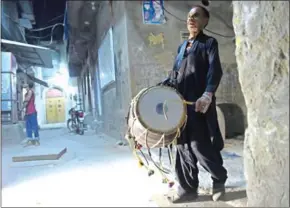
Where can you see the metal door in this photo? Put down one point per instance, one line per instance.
(55, 110)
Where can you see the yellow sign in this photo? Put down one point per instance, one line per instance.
(156, 39)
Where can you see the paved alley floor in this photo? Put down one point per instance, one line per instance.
(94, 172)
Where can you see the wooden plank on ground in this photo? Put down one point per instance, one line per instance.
(35, 157)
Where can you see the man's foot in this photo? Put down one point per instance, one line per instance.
(28, 143)
(36, 142)
(218, 192)
(183, 198)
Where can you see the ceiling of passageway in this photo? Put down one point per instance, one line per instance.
(82, 22)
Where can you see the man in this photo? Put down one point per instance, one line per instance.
(197, 76)
(30, 117)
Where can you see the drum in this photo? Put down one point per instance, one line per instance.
(157, 116)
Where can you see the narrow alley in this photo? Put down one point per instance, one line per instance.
(198, 88)
(95, 171)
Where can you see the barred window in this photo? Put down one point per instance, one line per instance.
(184, 35)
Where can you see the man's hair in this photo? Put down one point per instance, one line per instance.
(30, 85)
(205, 11)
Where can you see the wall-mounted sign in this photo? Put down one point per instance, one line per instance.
(153, 12)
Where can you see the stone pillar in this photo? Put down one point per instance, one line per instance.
(262, 52)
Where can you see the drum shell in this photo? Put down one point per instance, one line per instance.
(138, 131)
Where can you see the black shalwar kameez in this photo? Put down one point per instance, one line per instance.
(200, 71)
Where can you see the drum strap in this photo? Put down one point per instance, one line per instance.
(180, 56)
(178, 60)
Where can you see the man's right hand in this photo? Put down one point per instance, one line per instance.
(203, 103)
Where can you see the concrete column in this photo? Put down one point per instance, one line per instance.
(262, 52)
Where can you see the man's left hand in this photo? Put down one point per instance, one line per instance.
(203, 103)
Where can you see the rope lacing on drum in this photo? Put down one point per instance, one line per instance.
(160, 167)
(141, 163)
(169, 146)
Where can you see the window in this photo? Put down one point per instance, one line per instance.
(106, 60)
(184, 35)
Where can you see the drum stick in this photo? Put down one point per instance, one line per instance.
(189, 103)
(184, 101)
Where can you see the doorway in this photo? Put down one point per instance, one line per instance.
(55, 106)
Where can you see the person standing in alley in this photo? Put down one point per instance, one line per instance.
(30, 117)
(196, 75)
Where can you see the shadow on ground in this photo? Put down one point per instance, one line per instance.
(231, 196)
(232, 199)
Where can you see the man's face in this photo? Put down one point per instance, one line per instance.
(196, 20)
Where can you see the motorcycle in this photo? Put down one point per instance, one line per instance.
(76, 121)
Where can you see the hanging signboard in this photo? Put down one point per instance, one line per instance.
(153, 12)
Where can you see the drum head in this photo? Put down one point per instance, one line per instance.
(161, 109)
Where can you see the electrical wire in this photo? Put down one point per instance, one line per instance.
(38, 29)
(57, 17)
(182, 20)
(11, 18)
(45, 28)
(51, 33)
(217, 16)
(17, 23)
(37, 37)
